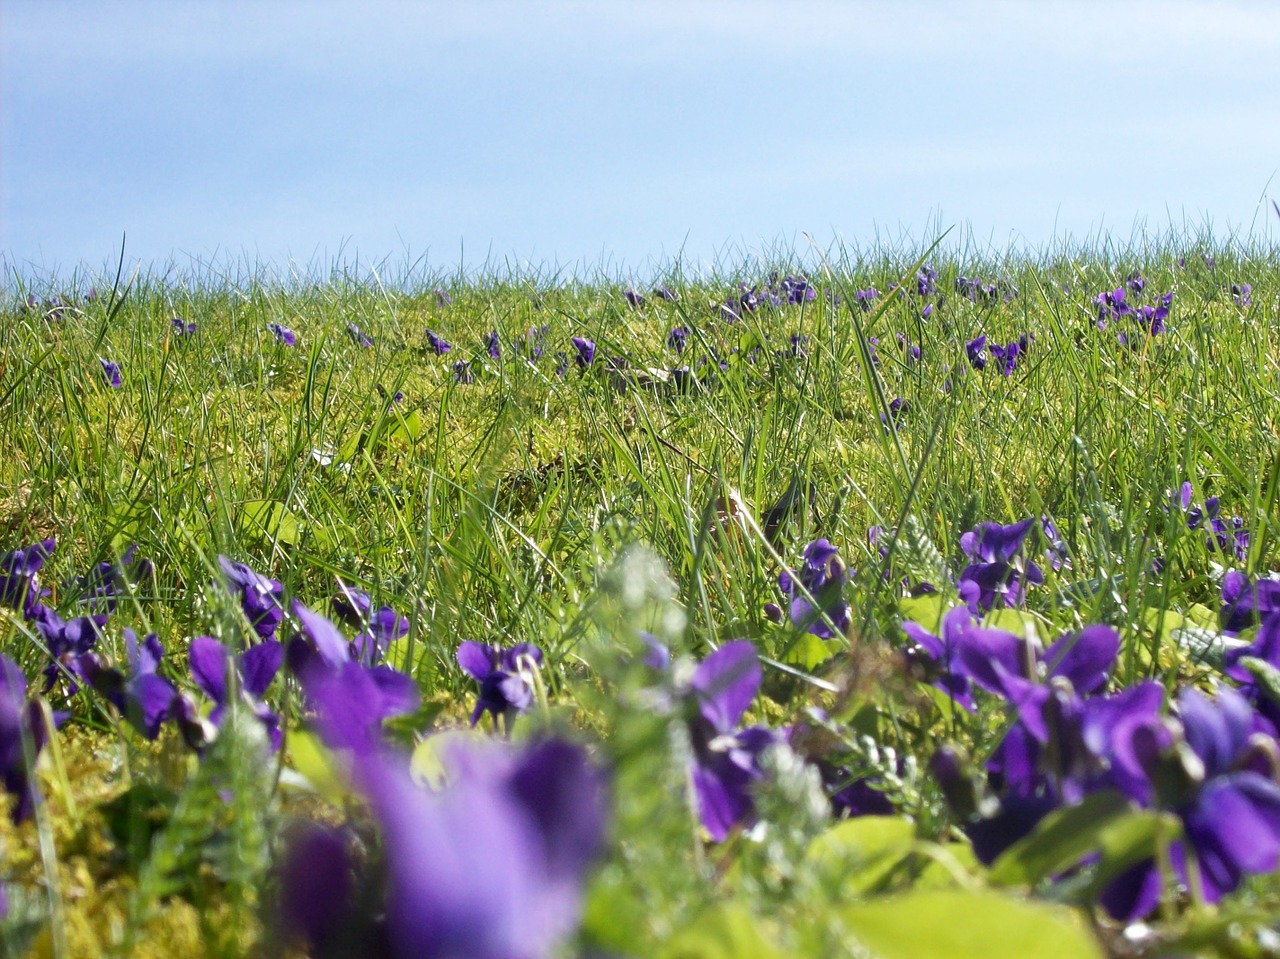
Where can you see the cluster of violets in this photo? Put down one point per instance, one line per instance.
(491, 865)
(1114, 307)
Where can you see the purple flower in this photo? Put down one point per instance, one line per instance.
(102, 586)
(1111, 306)
(504, 677)
(927, 281)
(443, 299)
(1242, 294)
(181, 328)
(562, 363)
(70, 645)
(394, 399)
(585, 351)
(144, 698)
(1245, 602)
(437, 344)
(493, 345)
(678, 338)
(866, 298)
(998, 570)
(938, 657)
(283, 334)
(1212, 769)
(821, 576)
(909, 351)
(634, 299)
(1007, 356)
(976, 351)
(19, 721)
(260, 596)
(110, 373)
(256, 667)
(358, 336)
(379, 628)
(535, 341)
(491, 868)
(19, 582)
(354, 694)
(664, 292)
(1135, 283)
(725, 761)
(463, 373)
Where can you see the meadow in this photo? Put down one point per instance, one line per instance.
(896, 604)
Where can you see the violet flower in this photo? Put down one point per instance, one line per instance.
(678, 338)
(438, 344)
(358, 336)
(110, 373)
(493, 345)
(1242, 294)
(725, 763)
(68, 643)
(256, 668)
(976, 351)
(585, 351)
(144, 698)
(1245, 603)
(19, 720)
(938, 657)
(997, 571)
(379, 628)
(282, 334)
(181, 328)
(1212, 769)
(664, 292)
(19, 579)
(493, 867)
(634, 299)
(463, 373)
(260, 596)
(503, 674)
(102, 586)
(822, 576)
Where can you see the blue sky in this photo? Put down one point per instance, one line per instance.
(623, 135)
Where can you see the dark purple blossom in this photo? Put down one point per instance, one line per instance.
(998, 570)
(664, 292)
(927, 281)
(378, 628)
(70, 646)
(866, 298)
(584, 351)
(146, 699)
(678, 338)
(1111, 306)
(358, 336)
(102, 586)
(20, 722)
(725, 763)
(1242, 294)
(255, 668)
(283, 334)
(110, 373)
(463, 373)
(634, 299)
(182, 328)
(1007, 356)
(492, 345)
(19, 579)
(505, 678)
(821, 577)
(976, 351)
(938, 657)
(443, 298)
(535, 342)
(1245, 602)
(437, 344)
(261, 598)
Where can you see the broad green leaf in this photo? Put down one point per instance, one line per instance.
(722, 932)
(809, 651)
(926, 610)
(409, 427)
(1014, 621)
(310, 759)
(1202, 615)
(271, 519)
(859, 854)
(955, 924)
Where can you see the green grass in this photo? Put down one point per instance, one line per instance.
(494, 511)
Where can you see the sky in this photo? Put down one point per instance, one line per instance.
(624, 136)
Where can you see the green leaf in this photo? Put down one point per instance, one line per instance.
(722, 932)
(409, 427)
(926, 610)
(1268, 676)
(858, 855)
(1013, 621)
(271, 519)
(810, 651)
(954, 924)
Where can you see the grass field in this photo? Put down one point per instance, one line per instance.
(894, 605)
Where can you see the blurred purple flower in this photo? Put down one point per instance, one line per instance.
(664, 292)
(1242, 294)
(725, 762)
(976, 351)
(283, 334)
(181, 328)
(634, 299)
(358, 336)
(21, 722)
(110, 373)
(678, 338)
(463, 373)
(69, 644)
(493, 345)
(585, 351)
(438, 344)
